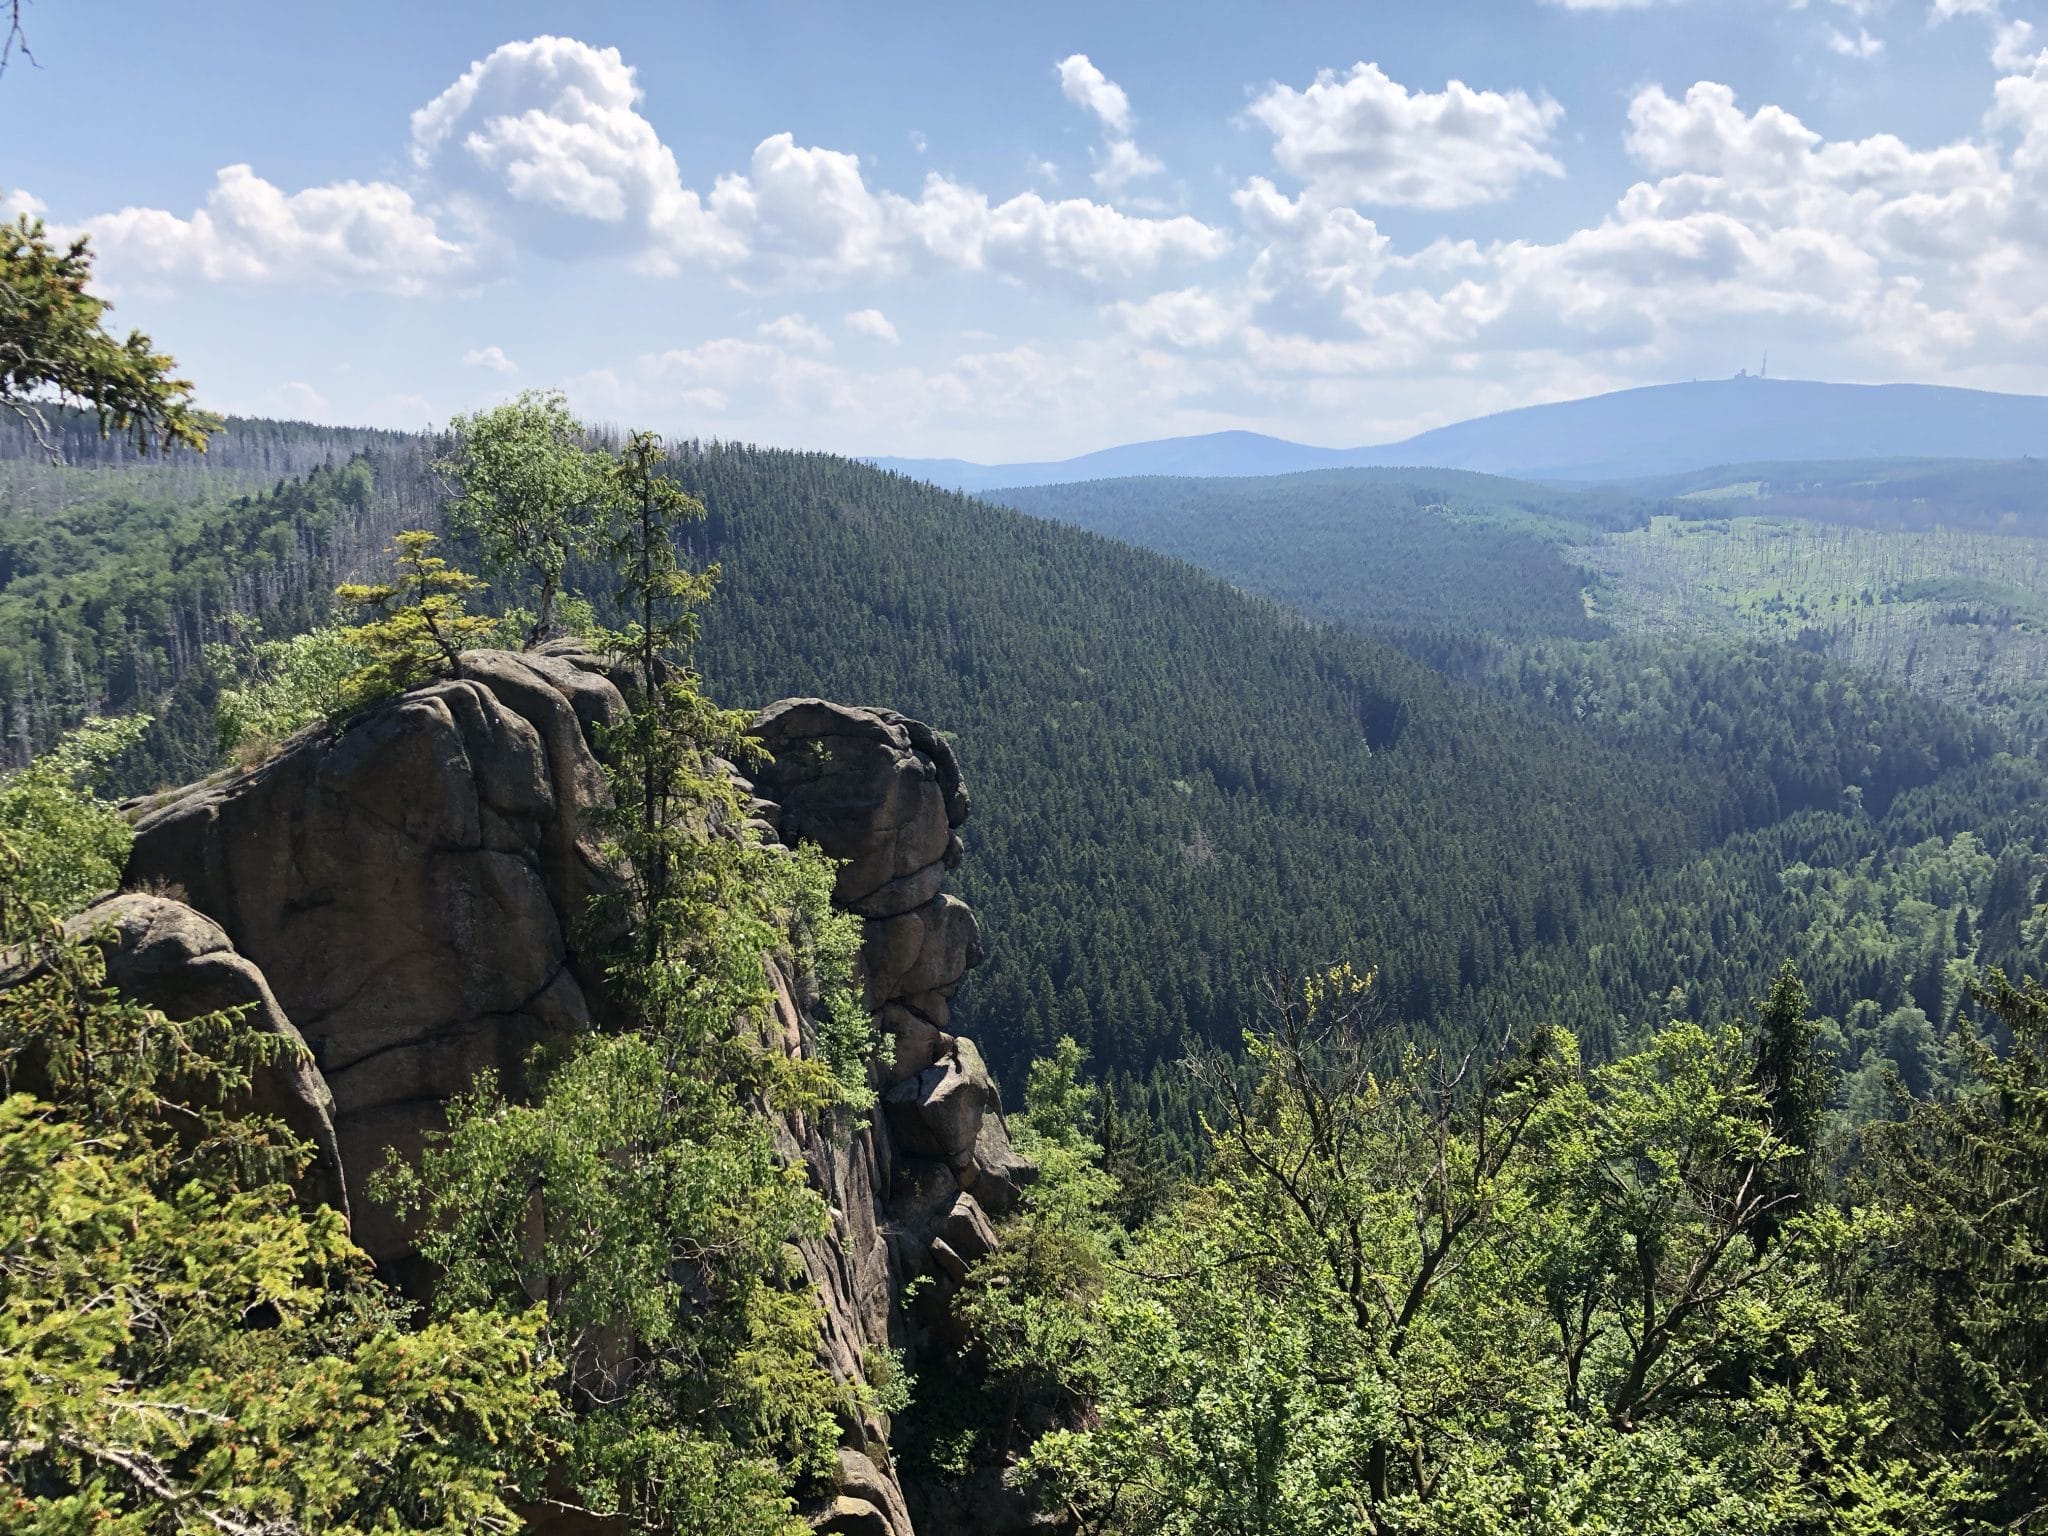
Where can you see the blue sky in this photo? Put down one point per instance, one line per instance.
(1022, 232)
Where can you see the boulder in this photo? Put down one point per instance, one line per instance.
(997, 1175)
(915, 1043)
(938, 1113)
(947, 1260)
(870, 788)
(408, 887)
(860, 1478)
(967, 1229)
(951, 947)
(163, 953)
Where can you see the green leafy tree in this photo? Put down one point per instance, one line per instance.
(1026, 1305)
(638, 1194)
(1796, 1087)
(414, 626)
(1419, 1295)
(528, 492)
(72, 844)
(282, 686)
(54, 349)
(182, 1346)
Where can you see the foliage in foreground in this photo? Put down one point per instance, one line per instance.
(69, 843)
(53, 348)
(621, 1316)
(182, 1347)
(1420, 1295)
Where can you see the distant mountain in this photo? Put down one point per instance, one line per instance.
(1663, 429)
(1213, 453)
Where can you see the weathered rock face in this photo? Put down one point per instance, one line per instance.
(409, 890)
(163, 953)
(885, 795)
(409, 897)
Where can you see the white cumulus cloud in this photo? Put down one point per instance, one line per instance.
(1119, 161)
(353, 234)
(1868, 257)
(1861, 46)
(1364, 138)
(871, 323)
(794, 331)
(1091, 90)
(541, 146)
(493, 358)
(548, 137)
(1073, 239)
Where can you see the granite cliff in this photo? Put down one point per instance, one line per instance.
(405, 896)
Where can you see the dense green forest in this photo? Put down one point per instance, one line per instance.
(1927, 575)
(1399, 548)
(1182, 789)
(1209, 792)
(1418, 1293)
(1417, 1197)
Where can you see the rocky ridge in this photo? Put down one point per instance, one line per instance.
(405, 897)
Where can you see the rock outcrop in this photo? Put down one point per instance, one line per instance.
(410, 890)
(163, 953)
(409, 897)
(884, 795)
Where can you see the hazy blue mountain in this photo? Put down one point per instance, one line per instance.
(1213, 453)
(1664, 429)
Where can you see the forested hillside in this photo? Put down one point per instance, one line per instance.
(1514, 861)
(1927, 575)
(114, 580)
(1956, 614)
(1980, 495)
(1402, 548)
(1183, 789)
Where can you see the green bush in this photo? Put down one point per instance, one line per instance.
(72, 843)
(288, 685)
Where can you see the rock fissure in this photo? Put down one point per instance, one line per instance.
(447, 1030)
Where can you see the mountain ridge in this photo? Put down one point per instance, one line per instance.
(1656, 429)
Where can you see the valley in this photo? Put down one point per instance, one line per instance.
(834, 772)
(1487, 757)
(1039, 771)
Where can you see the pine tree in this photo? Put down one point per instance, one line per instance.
(1957, 1312)
(1795, 1087)
(52, 345)
(415, 626)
